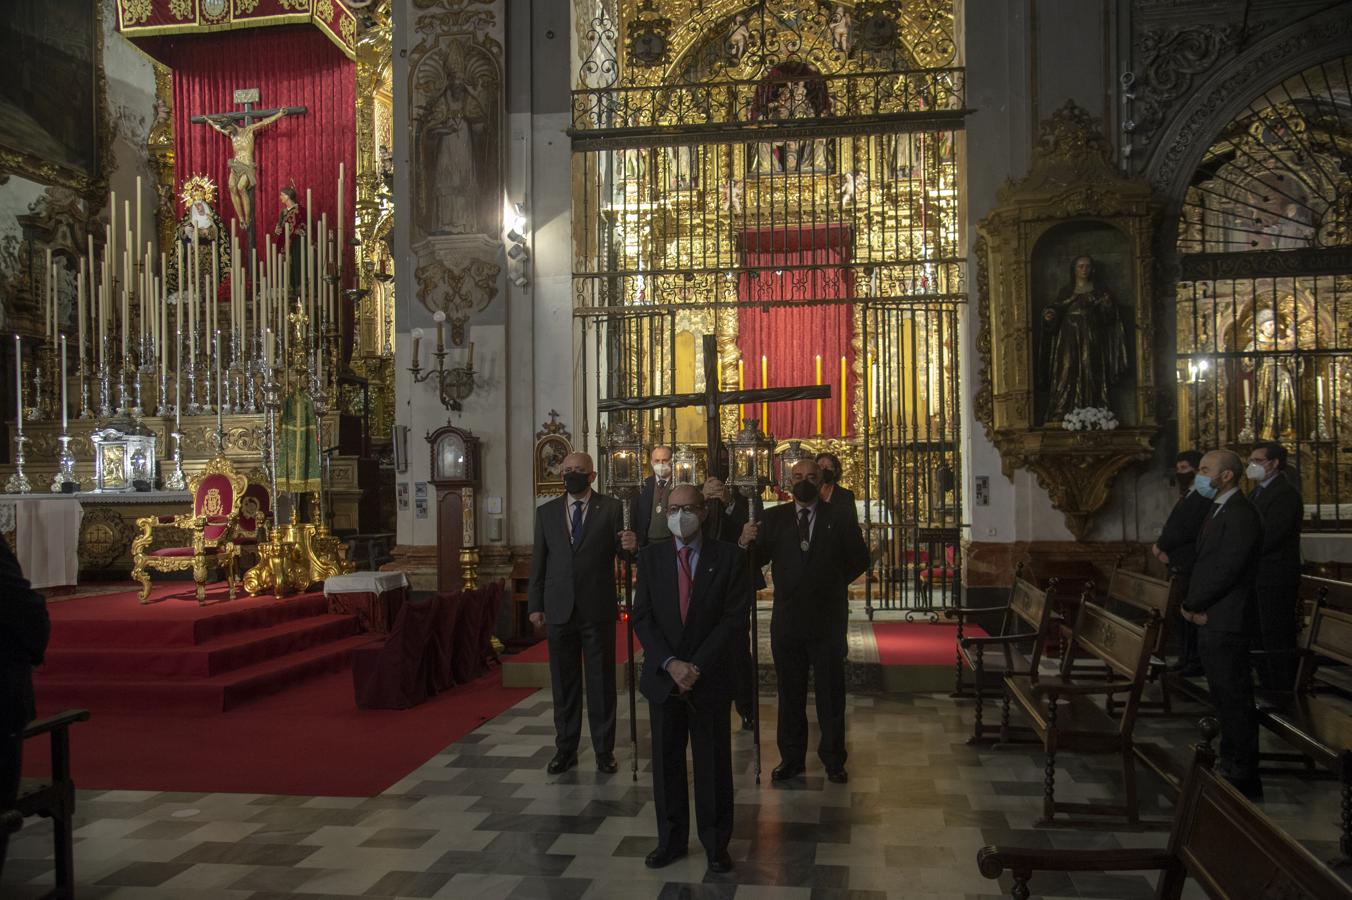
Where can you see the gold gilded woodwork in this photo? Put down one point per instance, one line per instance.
(1072, 183)
(296, 556)
(220, 550)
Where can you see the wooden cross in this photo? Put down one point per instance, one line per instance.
(711, 398)
(246, 116)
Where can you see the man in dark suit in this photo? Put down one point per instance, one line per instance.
(650, 519)
(1279, 503)
(24, 629)
(815, 550)
(689, 611)
(832, 490)
(1221, 604)
(572, 594)
(1177, 549)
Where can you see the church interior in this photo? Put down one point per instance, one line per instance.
(317, 317)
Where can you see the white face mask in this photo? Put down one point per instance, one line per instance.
(1256, 472)
(662, 470)
(683, 524)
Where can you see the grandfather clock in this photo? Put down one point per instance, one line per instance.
(455, 475)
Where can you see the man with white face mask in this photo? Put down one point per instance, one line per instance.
(1279, 502)
(690, 608)
(651, 510)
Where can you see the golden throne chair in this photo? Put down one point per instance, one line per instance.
(213, 524)
(255, 512)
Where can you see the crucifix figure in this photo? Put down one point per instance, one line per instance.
(240, 127)
(711, 398)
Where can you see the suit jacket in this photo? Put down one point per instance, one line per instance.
(24, 629)
(564, 576)
(717, 618)
(725, 521)
(1179, 537)
(843, 497)
(812, 588)
(1282, 509)
(1222, 583)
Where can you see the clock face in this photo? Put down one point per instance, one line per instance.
(451, 465)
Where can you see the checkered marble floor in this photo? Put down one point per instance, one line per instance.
(483, 819)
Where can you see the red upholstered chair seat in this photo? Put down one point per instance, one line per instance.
(171, 551)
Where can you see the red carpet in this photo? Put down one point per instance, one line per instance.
(918, 643)
(310, 739)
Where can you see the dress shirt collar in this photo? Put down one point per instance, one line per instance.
(585, 498)
(695, 543)
(810, 507)
(1222, 498)
(1271, 478)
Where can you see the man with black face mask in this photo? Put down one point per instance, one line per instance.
(690, 609)
(1177, 549)
(815, 550)
(572, 594)
(832, 490)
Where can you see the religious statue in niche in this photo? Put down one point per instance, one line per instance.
(839, 25)
(243, 169)
(291, 229)
(455, 143)
(784, 98)
(681, 171)
(738, 38)
(1086, 349)
(1271, 412)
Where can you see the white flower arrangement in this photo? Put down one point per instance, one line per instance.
(1089, 418)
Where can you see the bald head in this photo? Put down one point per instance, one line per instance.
(686, 495)
(577, 461)
(806, 470)
(1223, 467)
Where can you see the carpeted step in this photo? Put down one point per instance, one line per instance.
(215, 656)
(121, 621)
(197, 696)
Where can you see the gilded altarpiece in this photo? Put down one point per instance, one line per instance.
(1071, 209)
(784, 176)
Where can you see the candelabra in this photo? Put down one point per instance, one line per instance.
(18, 483)
(177, 480)
(105, 388)
(454, 384)
(320, 397)
(86, 386)
(34, 412)
(122, 388)
(164, 409)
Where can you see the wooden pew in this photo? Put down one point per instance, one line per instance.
(1027, 622)
(1065, 716)
(1135, 596)
(1316, 717)
(54, 798)
(1219, 839)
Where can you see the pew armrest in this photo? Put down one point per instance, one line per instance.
(52, 723)
(994, 861)
(1061, 688)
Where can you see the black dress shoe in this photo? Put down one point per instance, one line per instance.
(605, 762)
(663, 856)
(837, 776)
(720, 862)
(561, 763)
(784, 771)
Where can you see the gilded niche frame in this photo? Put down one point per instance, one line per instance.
(1072, 189)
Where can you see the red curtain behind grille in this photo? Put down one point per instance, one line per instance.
(797, 265)
(290, 66)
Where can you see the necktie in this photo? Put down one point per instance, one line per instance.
(683, 580)
(1210, 516)
(804, 529)
(1256, 491)
(577, 520)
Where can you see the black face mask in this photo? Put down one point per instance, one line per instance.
(576, 482)
(829, 476)
(804, 491)
(1184, 479)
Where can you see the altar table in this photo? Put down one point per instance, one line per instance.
(373, 597)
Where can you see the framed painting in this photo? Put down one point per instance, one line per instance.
(550, 450)
(52, 121)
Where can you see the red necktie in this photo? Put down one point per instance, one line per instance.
(683, 580)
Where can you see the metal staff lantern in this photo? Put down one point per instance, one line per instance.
(624, 471)
(751, 452)
(683, 465)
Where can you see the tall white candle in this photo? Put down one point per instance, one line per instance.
(47, 305)
(18, 380)
(64, 421)
(178, 371)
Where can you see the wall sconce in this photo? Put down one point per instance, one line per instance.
(517, 252)
(454, 384)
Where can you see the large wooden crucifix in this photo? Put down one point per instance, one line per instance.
(240, 127)
(711, 398)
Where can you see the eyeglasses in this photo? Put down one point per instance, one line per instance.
(685, 507)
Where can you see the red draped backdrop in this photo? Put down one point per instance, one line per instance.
(791, 335)
(290, 66)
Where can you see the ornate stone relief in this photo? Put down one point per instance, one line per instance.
(1167, 64)
(1071, 204)
(455, 83)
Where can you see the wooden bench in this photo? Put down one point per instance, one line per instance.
(1219, 839)
(1136, 596)
(54, 798)
(1065, 716)
(1025, 623)
(1316, 717)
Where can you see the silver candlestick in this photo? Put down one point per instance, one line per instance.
(176, 480)
(122, 393)
(34, 412)
(272, 401)
(319, 396)
(18, 483)
(86, 387)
